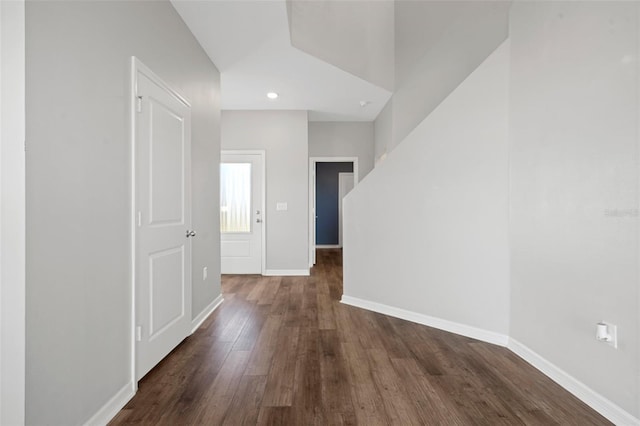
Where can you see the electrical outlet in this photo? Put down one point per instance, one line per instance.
(607, 333)
(205, 273)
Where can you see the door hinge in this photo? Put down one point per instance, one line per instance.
(139, 219)
(139, 103)
(138, 333)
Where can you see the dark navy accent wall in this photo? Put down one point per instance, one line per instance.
(327, 201)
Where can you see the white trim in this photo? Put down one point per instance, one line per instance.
(202, 316)
(12, 212)
(353, 160)
(312, 195)
(138, 66)
(450, 326)
(343, 177)
(286, 273)
(263, 158)
(328, 246)
(132, 212)
(581, 391)
(638, 200)
(113, 406)
(312, 213)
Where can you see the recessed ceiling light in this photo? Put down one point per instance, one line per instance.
(272, 95)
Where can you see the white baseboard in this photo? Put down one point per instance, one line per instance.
(453, 327)
(197, 321)
(286, 273)
(602, 405)
(113, 406)
(328, 246)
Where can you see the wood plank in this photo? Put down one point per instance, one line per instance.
(265, 347)
(248, 337)
(280, 382)
(217, 399)
(293, 316)
(275, 416)
(271, 289)
(326, 318)
(281, 302)
(309, 309)
(307, 403)
(245, 406)
(396, 402)
(432, 408)
(367, 401)
(228, 328)
(197, 379)
(334, 373)
(477, 404)
(256, 292)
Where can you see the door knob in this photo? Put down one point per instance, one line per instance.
(258, 220)
(191, 233)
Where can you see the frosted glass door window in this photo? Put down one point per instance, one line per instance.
(235, 197)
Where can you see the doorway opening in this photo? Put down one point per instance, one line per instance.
(333, 181)
(330, 179)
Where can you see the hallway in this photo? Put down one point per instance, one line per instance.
(284, 351)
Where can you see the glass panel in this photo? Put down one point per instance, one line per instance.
(235, 197)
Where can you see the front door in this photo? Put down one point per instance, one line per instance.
(241, 212)
(163, 214)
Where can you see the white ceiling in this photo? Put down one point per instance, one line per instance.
(249, 43)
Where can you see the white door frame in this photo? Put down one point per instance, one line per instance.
(312, 196)
(12, 212)
(263, 188)
(137, 66)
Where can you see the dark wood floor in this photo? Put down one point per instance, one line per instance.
(284, 351)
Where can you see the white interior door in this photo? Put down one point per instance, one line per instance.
(241, 212)
(163, 210)
(345, 184)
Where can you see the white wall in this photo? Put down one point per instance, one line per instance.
(437, 45)
(343, 139)
(284, 137)
(78, 213)
(574, 189)
(383, 132)
(354, 36)
(427, 230)
(12, 213)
